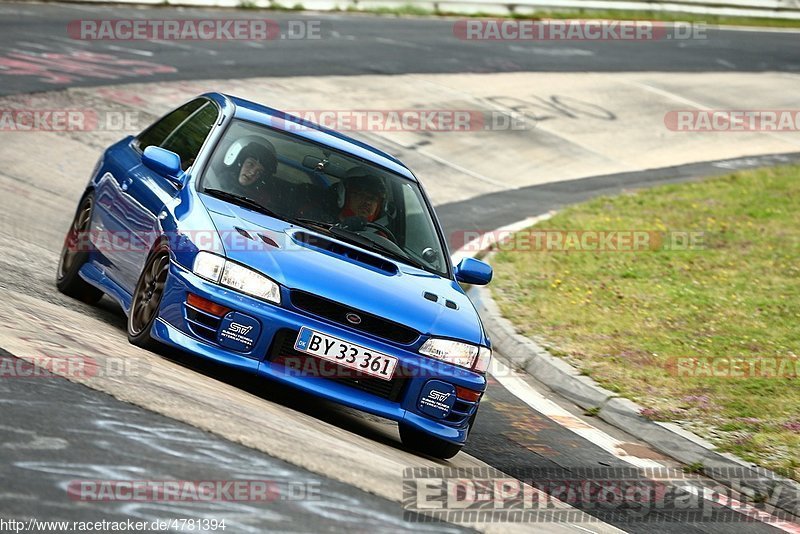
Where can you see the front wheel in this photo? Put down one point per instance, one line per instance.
(146, 300)
(75, 253)
(427, 444)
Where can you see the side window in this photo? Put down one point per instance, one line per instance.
(188, 138)
(158, 132)
(418, 229)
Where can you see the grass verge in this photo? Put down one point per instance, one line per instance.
(411, 9)
(690, 333)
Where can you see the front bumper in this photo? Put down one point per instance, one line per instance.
(178, 325)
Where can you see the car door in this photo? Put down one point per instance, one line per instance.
(143, 192)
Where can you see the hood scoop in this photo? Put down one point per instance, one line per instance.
(433, 297)
(243, 232)
(334, 248)
(269, 241)
(264, 238)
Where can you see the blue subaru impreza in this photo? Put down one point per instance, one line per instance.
(254, 238)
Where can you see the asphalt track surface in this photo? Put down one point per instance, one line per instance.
(52, 429)
(76, 433)
(362, 44)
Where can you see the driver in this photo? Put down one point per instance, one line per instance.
(254, 170)
(364, 195)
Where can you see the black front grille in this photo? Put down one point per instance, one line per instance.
(283, 351)
(336, 312)
(461, 411)
(203, 324)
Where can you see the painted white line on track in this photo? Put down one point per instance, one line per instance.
(78, 7)
(555, 52)
(70, 41)
(135, 51)
(755, 29)
(18, 12)
(446, 163)
(670, 95)
(33, 45)
(337, 35)
(171, 43)
(701, 106)
(395, 42)
(513, 381)
(469, 172)
(471, 248)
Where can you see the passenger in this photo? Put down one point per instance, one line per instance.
(254, 171)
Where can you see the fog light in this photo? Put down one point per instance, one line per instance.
(468, 394)
(206, 305)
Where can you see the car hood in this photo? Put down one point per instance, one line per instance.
(357, 278)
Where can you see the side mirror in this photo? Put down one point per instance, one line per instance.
(165, 163)
(475, 272)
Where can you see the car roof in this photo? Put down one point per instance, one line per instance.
(274, 118)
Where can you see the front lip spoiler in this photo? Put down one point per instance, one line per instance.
(326, 389)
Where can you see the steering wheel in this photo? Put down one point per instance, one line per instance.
(382, 229)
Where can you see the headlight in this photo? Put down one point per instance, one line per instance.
(208, 266)
(447, 350)
(484, 359)
(246, 280)
(235, 276)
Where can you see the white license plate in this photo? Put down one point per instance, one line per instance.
(345, 354)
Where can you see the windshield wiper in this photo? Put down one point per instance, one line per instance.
(243, 201)
(303, 221)
(359, 239)
(364, 241)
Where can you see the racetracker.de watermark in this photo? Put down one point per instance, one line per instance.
(544, 240)
(576, 30)
(260, 240)
(192, 490)
(733, 120)
(310, 367)
(404, 120)
(621, 494)
(68, 120)
(211, 240)
(70, 366)
(736, 367)
(224, 29)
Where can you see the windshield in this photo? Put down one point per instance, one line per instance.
(326, 190)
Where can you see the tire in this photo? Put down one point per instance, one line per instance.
(146, 301)
(75, 253)
(427, 444)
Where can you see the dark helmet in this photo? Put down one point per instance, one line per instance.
(361, 179)
(263, 153)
